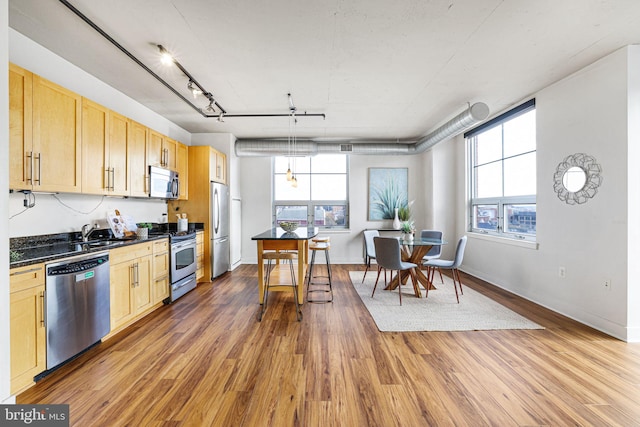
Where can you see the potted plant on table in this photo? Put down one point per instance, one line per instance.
(408, 230)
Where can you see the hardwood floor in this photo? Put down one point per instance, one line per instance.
(205, 361)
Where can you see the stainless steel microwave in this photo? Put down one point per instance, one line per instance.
(163, 183)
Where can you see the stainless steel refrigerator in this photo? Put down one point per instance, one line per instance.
(220, 252)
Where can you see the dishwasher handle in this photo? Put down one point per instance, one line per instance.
(77, 266)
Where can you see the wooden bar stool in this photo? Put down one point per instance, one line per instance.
(277, 257)
(319, 244)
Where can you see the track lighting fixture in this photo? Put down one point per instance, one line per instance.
(221, 117)
(165, 57)
(194, 90)
(209, 108)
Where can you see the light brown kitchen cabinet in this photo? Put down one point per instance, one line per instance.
(45, 134)
(182, 166)
(130, 270)
(57, 116)
(104, 151)
(199, 256)
(27, 329)
(160, 277)
(162, 150)
(170, 150)
(219, 164)
(137, 152)
(20, 128)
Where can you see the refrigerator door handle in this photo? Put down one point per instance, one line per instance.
(216, 211)
(222, 240)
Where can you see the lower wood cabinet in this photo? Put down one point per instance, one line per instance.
(130, 270)
(27, 329)
(199, 256)
(160, 277)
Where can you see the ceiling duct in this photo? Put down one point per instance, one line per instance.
(473, 115)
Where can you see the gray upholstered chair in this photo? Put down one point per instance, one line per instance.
(370, 250)
(388, 256)
(433, 253)
(451, 264)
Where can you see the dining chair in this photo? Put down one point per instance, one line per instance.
(370, 250)
(433, 253)
(388, 256)
(452, 264)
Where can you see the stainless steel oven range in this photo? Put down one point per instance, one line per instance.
(183, 263)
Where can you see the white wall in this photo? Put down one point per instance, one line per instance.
(5, 373)
(633, 177)
(61, 213)
(583, 113)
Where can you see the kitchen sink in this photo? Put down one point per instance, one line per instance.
(85, 246)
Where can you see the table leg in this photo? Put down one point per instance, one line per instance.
(260, 272)
(303, 253)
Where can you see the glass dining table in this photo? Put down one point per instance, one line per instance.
(413, 251)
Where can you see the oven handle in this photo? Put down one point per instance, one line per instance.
(185, 244)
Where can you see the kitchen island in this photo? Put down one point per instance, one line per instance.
(279, 240)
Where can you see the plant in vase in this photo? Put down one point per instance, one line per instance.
(404, 213)
(143, 230)
(407, 229)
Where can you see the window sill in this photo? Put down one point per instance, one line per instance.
(503, 240)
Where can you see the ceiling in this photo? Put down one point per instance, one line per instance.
(378, 70)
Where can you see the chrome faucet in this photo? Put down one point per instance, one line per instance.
(86, 231)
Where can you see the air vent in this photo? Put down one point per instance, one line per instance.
(346, 147)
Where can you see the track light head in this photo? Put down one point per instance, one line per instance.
(165, 57)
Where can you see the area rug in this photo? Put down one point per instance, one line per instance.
(438, 312)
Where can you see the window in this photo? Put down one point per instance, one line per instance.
(503, 174)
(321, 197)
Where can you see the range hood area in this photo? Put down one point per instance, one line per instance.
(473, 115)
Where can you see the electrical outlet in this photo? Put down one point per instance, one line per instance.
(607, 285)
(562, 272)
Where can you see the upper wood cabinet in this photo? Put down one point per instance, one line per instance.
(57, 115)
(20, 129)
(170, 149)
(119, 154)
(218, 165)
(104, 151)
(45, 134)
(61, 142)
(182, 166)
(138, 170)
(162, 151)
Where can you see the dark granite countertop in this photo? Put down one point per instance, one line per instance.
(44, 248)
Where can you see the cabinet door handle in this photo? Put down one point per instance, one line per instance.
(39, 180)
(29, 167)
(132, 275)
(137, 275)
(112, 177)
(42, 308)
(106, 178)
(31, 270)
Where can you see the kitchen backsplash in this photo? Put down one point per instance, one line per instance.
(63, 213)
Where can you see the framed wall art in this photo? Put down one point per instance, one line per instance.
(388, 190)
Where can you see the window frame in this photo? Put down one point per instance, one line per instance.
(311, 204)
(500, 202)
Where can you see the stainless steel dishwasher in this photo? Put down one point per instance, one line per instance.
(77, 305)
